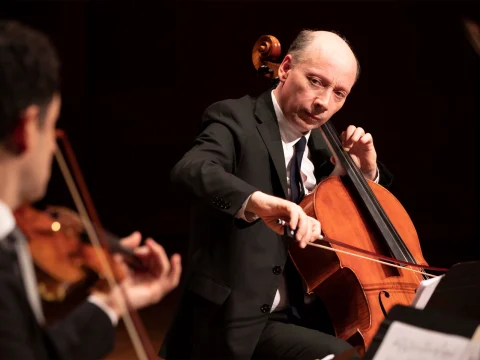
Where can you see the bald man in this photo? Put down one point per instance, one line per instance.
(252, 163)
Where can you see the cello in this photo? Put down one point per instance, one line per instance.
(383, 262)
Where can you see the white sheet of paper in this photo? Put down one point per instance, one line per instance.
(425, 291)
(407, 342)
(473, 350)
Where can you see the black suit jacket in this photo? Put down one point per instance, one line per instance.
(232, 275)
(87, 333)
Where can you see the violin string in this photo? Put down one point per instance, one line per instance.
(95, 241)
(371, 259)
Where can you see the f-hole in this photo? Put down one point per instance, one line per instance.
(387, 295)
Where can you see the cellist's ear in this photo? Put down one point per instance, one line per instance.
(285, 67)
(25, 132)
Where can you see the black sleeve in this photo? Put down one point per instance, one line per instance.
(386, 178)
(15, 327)
(207, 169)
(87, 333)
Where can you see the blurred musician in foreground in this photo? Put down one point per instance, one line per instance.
(29, 107)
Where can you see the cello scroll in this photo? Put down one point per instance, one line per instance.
(266, 50)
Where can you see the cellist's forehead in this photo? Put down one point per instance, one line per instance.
(330, 57)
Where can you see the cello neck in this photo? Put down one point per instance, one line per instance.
(364, 195)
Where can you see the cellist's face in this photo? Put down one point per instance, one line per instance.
(40, 146)
(315, 85)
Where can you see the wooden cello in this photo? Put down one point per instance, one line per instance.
(365, 218)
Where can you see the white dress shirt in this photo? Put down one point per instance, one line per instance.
(7, 225)
(290, 135)
(7, 221)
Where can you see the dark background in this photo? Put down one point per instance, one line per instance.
(137, 76)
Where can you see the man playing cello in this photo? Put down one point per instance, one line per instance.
(251, 164)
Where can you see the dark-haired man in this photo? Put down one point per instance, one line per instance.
(29, 107)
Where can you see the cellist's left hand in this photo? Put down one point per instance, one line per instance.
(360, 146)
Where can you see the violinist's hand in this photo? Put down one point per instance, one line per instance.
(144, 288)
(360, 146)
(270, 209)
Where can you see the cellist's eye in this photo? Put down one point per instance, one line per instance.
(315, 81)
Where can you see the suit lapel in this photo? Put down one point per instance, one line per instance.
(268, 128)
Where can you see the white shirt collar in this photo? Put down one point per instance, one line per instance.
(290, 135)
(7, 221)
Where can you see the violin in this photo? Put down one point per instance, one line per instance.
(64, 258)
(368, 258)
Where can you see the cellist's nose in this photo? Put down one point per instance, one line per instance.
(321, 101)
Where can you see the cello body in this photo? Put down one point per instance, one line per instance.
(357, 293)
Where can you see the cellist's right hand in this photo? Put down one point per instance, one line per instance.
(270, 209)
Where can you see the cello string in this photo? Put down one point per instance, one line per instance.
(134, 336)
(333, 140)
(329, 131)
(371, 259)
